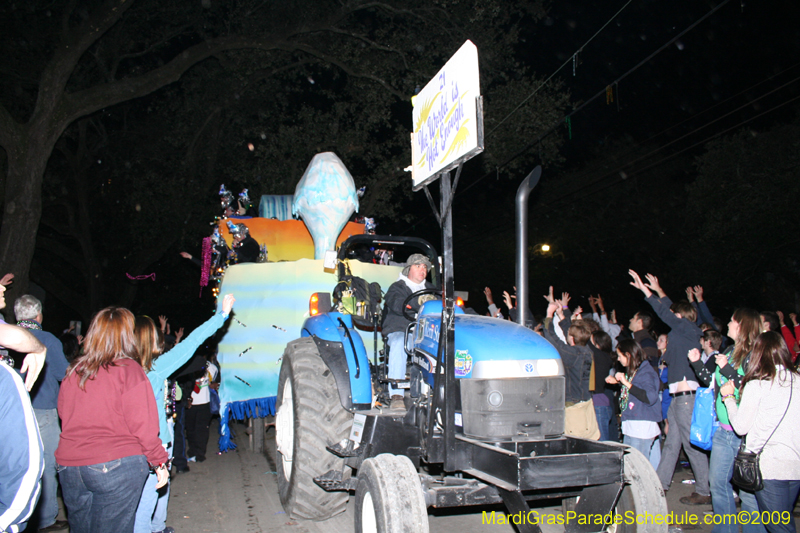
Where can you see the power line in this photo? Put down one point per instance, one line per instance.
(656, 150)
(571, 58)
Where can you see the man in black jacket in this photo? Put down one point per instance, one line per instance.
(244, 245)
(411, 280)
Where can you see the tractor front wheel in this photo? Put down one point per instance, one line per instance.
(309, 417)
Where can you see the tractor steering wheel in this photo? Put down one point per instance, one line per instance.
(406, 311)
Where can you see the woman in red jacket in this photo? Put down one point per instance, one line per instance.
(109, 436)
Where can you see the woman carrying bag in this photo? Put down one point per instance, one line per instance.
(744, 328)
(767, 419)
(638, 400)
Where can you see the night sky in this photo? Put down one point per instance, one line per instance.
(739, 67)
(623, 193)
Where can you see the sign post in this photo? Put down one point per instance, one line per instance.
(448, 130)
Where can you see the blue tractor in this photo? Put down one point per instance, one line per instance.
(483, 424)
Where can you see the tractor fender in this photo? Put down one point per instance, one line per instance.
(343, 352)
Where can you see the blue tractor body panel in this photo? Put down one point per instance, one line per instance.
(486, 347)
(328, 327)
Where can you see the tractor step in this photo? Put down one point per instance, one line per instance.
(345, 448)
(332, 481)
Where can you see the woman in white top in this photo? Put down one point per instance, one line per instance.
(767, 415)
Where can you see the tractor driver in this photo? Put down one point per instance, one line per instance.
(411, 280)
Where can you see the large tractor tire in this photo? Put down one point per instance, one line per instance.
(642, 494)
(309, 417)
(389, 496)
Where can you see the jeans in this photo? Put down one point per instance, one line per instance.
(720, 469)
(102, 498)
(779, 495)
(47, 508)
(680, 421)
(147, 504)
(603, 414)
(655, 453)
(643, 445)
(397, 359)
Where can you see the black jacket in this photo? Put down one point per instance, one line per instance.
(577, 363)
(247, 251)
(393, 319)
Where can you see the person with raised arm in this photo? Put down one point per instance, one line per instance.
(683, 337)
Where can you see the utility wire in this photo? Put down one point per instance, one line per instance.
(552, 207)
(601, 92)
(567, 62)
(662, 147)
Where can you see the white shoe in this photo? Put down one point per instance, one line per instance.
(191, 460)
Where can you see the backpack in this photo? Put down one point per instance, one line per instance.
(356, 297)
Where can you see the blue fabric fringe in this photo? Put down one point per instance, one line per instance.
(255, 408)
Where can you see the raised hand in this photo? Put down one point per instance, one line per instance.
(721, 359)
(694, 355)
(652, 284)
(6, 280)
(488, 293)
(637, 282)
(793, 317)
(698, 293)
(549, 297)
(227, 304)
(576, 314)
(565, 299)
(780, 317)
(186, 255)
(163, 321)
(690, 294)
(507, 300)
(178, 335)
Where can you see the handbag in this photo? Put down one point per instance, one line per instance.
(580, 421)
(213, 398)
(746, 466)
(704, 419)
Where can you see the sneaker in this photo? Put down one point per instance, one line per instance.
(696, 499)
(397, 403)
(191, 460)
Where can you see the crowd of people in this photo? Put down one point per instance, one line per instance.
(94, 418)
(651, 380)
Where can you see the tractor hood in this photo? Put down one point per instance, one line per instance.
(489, 347)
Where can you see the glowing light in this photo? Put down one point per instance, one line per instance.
(459, 302)
(545, 247)
(250, 147)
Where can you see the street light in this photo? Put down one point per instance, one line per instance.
(545, 248)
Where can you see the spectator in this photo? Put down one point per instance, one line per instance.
(577, 359)
(601, 354)
(640, 326)
(718, 370)
(770, 321)
(198, 413)
(638, 400)
(44, 398)
(21, 455)
(684, 336)
(612, 328)
(109, 429)
(151, 516)
(767, 416)
(791, 339)
(71, 345)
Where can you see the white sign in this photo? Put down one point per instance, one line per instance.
(447, 125)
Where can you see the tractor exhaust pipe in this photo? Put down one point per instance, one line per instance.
(523, 193)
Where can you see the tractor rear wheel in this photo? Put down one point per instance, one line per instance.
(309, 417)
(389, 496)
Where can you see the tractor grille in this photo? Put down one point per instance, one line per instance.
(508, 408)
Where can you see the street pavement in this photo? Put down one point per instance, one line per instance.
(237, 492)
